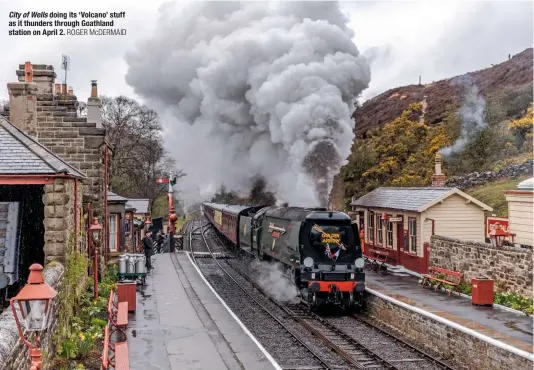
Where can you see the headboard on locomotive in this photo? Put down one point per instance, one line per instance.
(9, 243)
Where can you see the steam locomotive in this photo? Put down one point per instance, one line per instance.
(320, 248)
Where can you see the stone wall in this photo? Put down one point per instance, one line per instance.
(480, 178)
(59, 203)
(54, 121)
(461, 349)
(510, 267)
(13, 353)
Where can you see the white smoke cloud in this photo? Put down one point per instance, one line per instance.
(251, 89)
(471, 115)
(271, 278)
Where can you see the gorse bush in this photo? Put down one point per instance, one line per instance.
(401, 153)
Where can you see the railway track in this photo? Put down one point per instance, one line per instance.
(358, 340)
(307, 358)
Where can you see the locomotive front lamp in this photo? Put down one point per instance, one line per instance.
(31, 309)
(359, 263)
(497, 236)
(308, 262)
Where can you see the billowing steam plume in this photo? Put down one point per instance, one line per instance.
(254, 89)
(272, 279)
(471, 116)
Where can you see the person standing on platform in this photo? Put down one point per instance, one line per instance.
(148, 246)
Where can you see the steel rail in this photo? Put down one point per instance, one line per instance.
(402, 342)
(266, 310)
(351, 350)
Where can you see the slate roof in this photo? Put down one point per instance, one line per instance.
(115, 198)
(410, 199)
(20, 154)
(527, 184)
(141, 205)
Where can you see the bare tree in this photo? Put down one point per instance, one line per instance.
(139, 157)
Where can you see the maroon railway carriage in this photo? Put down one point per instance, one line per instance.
(224, 218)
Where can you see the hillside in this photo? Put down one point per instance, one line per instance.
(399, 132)
(442, 96)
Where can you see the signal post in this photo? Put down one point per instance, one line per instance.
(171, 180)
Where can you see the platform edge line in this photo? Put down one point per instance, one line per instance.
(234, 316)
(485, 338)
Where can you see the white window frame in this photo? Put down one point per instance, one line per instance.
(370, 227)
(379, 230)
(412, 234)
(113, 247)
(389, 234)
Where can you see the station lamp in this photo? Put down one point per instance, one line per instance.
(148, 220)
(497, 236)
(31, 309)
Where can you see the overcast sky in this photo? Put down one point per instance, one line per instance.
(434, 39)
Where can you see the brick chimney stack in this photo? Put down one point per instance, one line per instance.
(438, 180)
(93, 106)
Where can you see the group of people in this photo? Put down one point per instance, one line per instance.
(150, 242)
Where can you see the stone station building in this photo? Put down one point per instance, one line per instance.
(46, 111)
(40, 206)
(54, 176)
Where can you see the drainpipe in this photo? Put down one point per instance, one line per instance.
(106, 241)
(433, 224)
(76, 217)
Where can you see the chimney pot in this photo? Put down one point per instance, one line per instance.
(71, 92)
(94, 89)
(57, 88)
(28, 72)
(64, 89)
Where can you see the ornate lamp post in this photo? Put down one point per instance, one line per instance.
(32, 307)
(95, 239)
(497, 236)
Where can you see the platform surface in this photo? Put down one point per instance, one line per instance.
(180, 324)
(508, 327)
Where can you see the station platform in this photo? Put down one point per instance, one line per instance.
(511, 328)
(180, 323)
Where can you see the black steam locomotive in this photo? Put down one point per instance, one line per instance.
(320, 248)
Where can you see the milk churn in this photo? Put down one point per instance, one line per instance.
(130, 267)
(140, 265)
(122, 264)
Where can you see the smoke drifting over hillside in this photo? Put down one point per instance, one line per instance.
(471, 115)
(254, 89)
